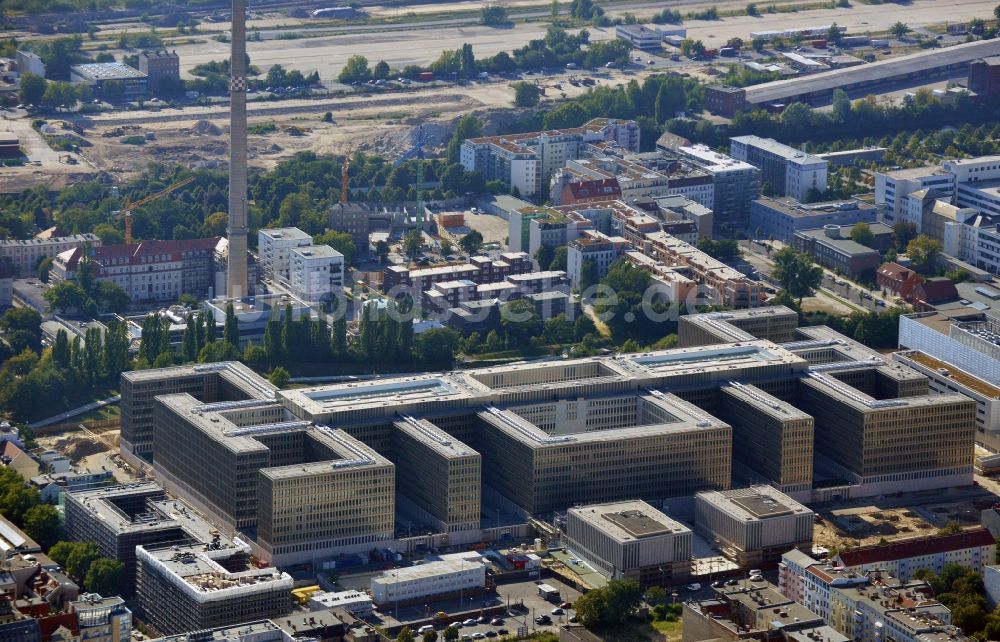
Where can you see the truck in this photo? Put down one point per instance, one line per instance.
(425, 76)
(819, 44)
(548, 592)
(880, 44)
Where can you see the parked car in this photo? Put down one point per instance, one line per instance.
(427, 628)
(491, 633)
(557, 611)
(497, 621)
(484, 619)
(503, 632)
(565, 605)
(693, 587)
(470, 622)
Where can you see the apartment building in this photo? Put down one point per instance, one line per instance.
(25, 255)
(191, 588)
(148, 270)
(526, 161)
(789, 172)
(316, 272)
(736, 184)
(755, 525)
(972, 549)
(894, 186)
(722, 285)
(630, 540)
(103, 619)
(596, 248)
(400, 281)
(274, 246)
(781, 218)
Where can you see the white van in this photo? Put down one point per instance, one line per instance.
(427, 628)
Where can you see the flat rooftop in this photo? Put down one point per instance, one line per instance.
(391, 393)
(317, 252)
(713, 160)
(286, 233)
(235, 372)
(793, 208)
(954, 373)
(199, 569)
(787, 152)
(754, 503)
(628, 520)
(433, 437)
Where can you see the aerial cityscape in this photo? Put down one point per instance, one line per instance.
(512, 320)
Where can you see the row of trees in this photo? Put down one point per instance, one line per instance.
(22, 505)
(85, 564)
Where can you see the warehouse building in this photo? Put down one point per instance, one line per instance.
(753, 525)
(630, 540)
(814, 88)
(450, 576)
(98, 74)
(190, 588)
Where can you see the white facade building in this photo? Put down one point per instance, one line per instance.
(357, 603)
(315, 272)
(789, 171)
(25, 254)
(274, 245)
(751, 525)
(891, 188)
(630, 539)
(451, 575)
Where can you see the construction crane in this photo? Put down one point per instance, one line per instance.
(417, 151)
(128, 205)
(345, 178)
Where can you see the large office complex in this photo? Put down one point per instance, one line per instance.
(748, 398)
(753, 525)
(789, 172)
(526, 161)
(630, 540)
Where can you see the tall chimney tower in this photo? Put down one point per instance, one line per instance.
(236, 274)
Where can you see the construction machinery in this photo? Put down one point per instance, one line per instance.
(129, 205)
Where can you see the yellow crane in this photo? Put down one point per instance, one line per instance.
(128, 205)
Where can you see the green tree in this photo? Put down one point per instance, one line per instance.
(279, 377)
(468, 127)
(526, 94)
(113, 90)
(589, 275)
(41, 523)
(231, 332)
(656, 595)
(104, 576)
(544, 255)
(380, 72)
(752, 9)
(33, 88)
(493, 15)
(862, 233)
(559, 259)
(25, 320)
(430, 636)
(412, 243)
(471, 242)
(923, 251)
(520, 323)
(67, 296)
(609, 605)
(450, 634)
(217, 351)
(405, 635)
(899, 29)
(796, 272)
(356, 69)
(447, 247)
(436, 346)
(340, 241)
(902, 233)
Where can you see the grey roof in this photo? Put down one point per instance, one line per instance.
(106, 71)
(875, 72)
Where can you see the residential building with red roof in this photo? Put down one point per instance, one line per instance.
(148, 270)
(897, 279)
(972, 549)
(933, 292)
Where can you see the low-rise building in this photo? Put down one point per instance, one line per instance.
(640, 36)
(103, 619)
(98, 74)
(162, 69)
(630, 540)
(897, 280)
(449, 576)
(835, 251)
(984, 76)
(780, 218)
(753, 525)
(357, 603)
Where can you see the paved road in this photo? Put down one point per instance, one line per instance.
(76, 411)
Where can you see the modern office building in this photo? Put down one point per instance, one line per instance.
(789, 172)
(641, 36)
(226, 381)
(630, 540)
(25, 255)
(892, 188)
(162, 69)
(551, 455)
(753, 526)
(526, 161)
(773, 323)
(190, 588)
(780, 218)
(120, 518)
(438, 473)
(968, 339)
(97, 74)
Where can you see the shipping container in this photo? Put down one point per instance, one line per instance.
(819, 44)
